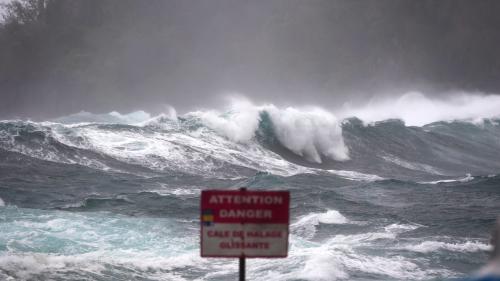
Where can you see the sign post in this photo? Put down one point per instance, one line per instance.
(242, 268)
(244, 224)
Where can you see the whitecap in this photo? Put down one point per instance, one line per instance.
(433, 246)
(200, 152)
(175, 191)
(310, 133)
(400, 228)
(389, 232)
(306, 225)
(356, 176)
(467, 178)
(322, 265)
(411, 165)
(416, 109)
(335, 260)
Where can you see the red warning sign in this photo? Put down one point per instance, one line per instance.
(240, 223)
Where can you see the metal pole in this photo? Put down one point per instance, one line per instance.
(242, 258)
(242, 268)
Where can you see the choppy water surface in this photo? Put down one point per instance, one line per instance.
(116, 197)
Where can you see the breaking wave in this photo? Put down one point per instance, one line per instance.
(306, 225)
(99, 196)
(416, 109)
(246, 139)
(433, 246)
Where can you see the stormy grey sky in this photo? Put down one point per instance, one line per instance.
(190, 53)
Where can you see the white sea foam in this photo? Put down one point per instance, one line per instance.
(320, 262)
(312, 134)
(356, 176)
(336, 258)
(467, 178)
(396, 267)
(306, 225)
(323, 265)
(331, 260)
(114, 117)
(152, 247)
(389, 232)
(400, 228)
(433, 246)
(165, 121)
(143, 264)
(94, 243)
(308, 132)
(239, 123)
(200, 152)
(44, 148)
(177, 191)
(412, 165)
(416, 109)
(164, 249)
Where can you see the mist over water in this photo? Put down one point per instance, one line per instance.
(417, 109)
(99, 56)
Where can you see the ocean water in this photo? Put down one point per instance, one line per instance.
(116, 197)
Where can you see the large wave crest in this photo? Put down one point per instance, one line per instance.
(246, 138)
